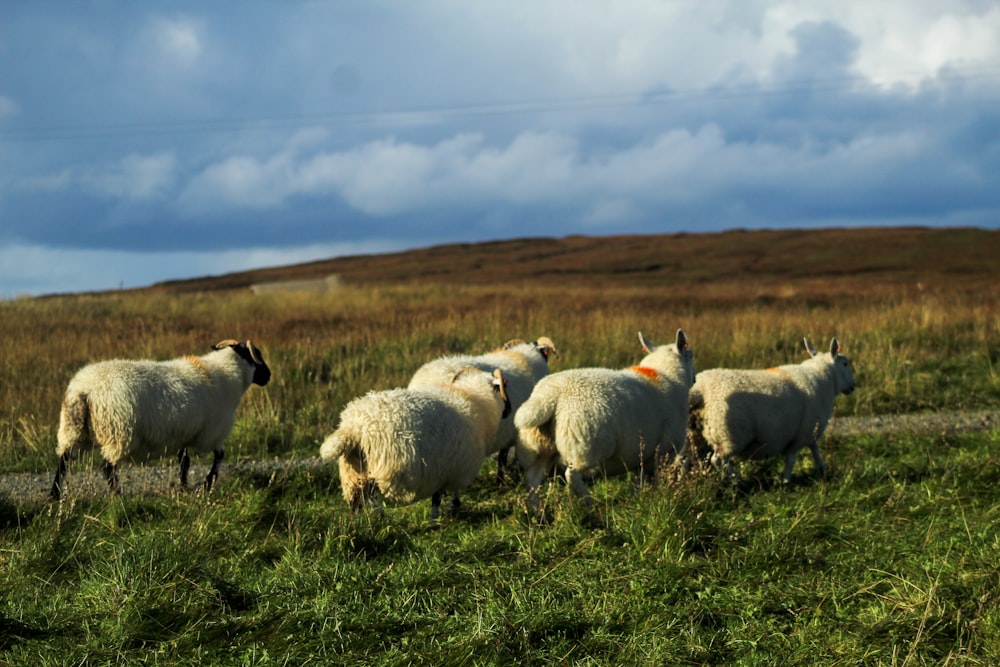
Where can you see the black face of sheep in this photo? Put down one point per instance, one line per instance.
(252, 355)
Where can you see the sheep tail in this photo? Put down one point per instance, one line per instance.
(74, 424)
(695, 447)
(338, 444)
(74, 434)
(537, 411)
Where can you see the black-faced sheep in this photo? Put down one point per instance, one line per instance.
(140, 409)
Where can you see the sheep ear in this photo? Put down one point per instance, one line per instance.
(809, 348)
(682, 339)
(834, 348)
(646, 344)
(222, 344)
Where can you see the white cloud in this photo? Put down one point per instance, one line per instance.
(238, 182)
(178, 40)
(675, 168)
(900, 41)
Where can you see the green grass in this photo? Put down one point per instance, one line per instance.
(892, 561)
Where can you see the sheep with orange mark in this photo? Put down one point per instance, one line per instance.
(604, 421)
(759, 414)
(403, 445)
(140, 409)
(523, 364)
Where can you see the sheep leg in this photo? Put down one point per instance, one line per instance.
(533, 477)
(576, 484)
(789, 463)
(818, 460)
(502, 465)
(185, 461)
(111, 474)
(213, 474)
(435, 506)
(724, 462)
(56, 492)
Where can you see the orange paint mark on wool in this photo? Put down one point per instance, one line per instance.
(199, 365)
(645, 371)
(778, 371)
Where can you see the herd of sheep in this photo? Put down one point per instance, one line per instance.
(432, 437)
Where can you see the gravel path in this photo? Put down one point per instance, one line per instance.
(162, 478)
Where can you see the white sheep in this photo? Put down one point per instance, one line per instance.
(758, 414)
(604, 421)
(523, 364)
(404, 445)
(140, 409)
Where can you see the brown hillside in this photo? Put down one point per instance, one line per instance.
(772, 261)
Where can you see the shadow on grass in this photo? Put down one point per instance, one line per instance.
(13, 632)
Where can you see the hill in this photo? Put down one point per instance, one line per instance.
(768, 260)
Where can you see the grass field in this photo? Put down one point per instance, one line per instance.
(893, 560)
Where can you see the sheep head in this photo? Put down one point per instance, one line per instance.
(545, 347)
(252, 355)
(843, 376)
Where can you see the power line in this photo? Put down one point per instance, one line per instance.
(438, 114)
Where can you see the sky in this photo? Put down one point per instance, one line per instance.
(149, 141)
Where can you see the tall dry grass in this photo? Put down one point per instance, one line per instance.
(916, 351)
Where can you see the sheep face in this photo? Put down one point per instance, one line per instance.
(253, 356)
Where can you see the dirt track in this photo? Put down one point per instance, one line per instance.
(162, 478)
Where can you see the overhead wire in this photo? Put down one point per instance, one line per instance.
(442, 113)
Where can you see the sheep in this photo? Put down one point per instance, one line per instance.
(404, 445)
(758, 414)
(523, 364)
(600, 420)
(140, 409)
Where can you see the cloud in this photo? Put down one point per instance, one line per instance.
(178, 40)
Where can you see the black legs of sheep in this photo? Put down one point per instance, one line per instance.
(436, 504)
(185, 461)
(56, 492)
(110, 474)
(213, 474)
